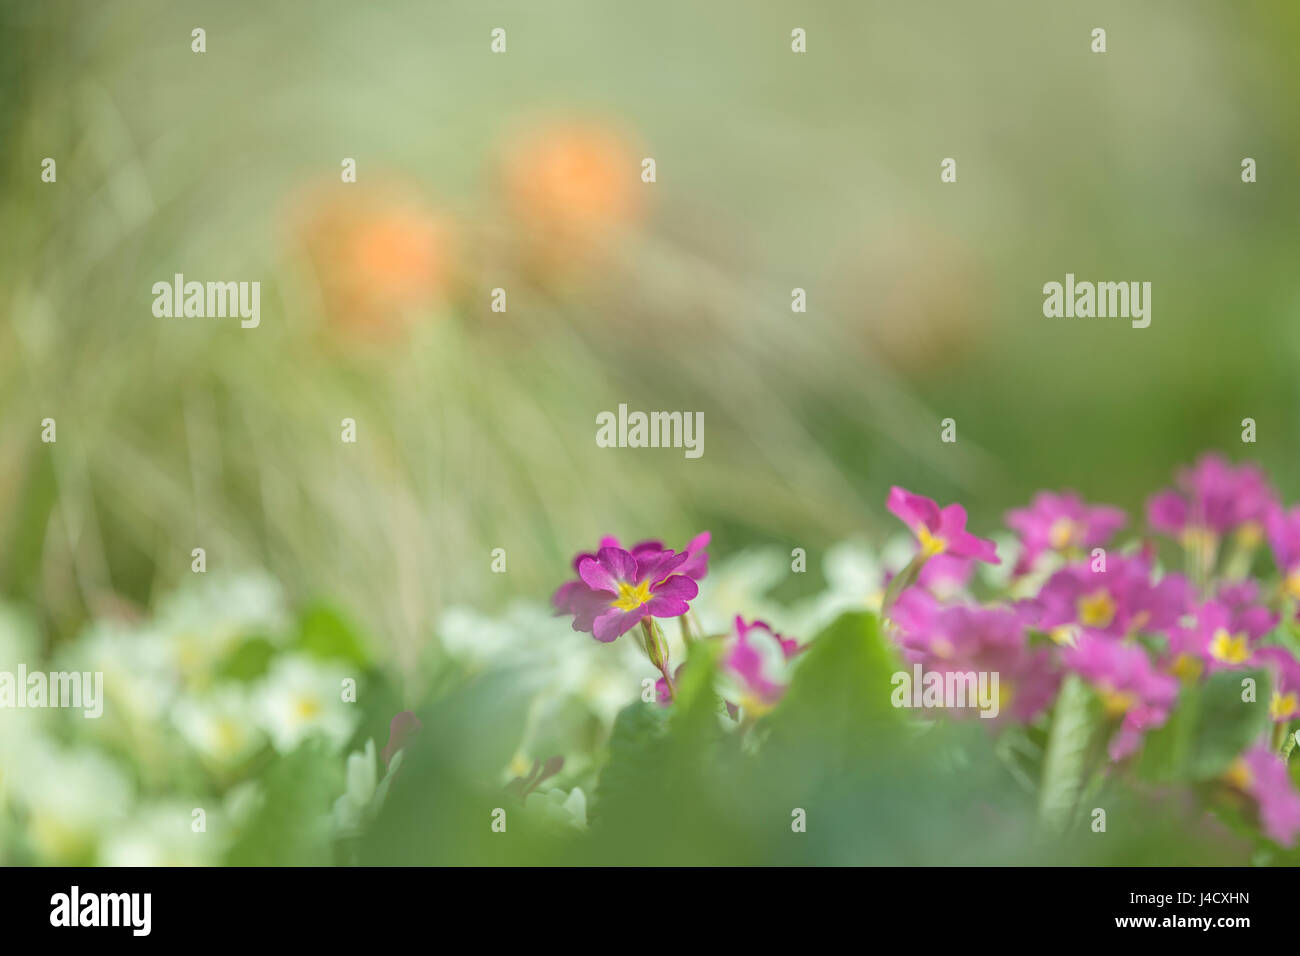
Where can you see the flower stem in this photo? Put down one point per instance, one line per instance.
(1282, 739)
(1242, 556)
(901, 581)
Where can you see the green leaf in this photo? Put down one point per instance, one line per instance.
(291, 824)
(1072, 744)
(637, 750)
(1210, 726)
(249, 661)
(1285, 635)
(323, 632)
(439, 808)
(481, 724)
(662, 751)
(841, 693)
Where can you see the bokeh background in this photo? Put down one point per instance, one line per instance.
(522, 171)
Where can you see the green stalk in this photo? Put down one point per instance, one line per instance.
(903, 580)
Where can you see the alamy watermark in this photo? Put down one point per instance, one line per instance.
(130, 910)
(211, 300)
(84, 689)
(651, 430)
(1087, 300)
(947, 689)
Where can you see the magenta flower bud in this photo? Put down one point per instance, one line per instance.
(755, 661)
(401, 729)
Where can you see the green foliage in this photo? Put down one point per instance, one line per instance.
(441, 806)
(248, 661)
(290, 825)
(637, 749)
(1209, 727)
(323, 631)
(841, 693)
(870, 783)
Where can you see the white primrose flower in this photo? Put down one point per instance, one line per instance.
(202, 624)
(221, 725)
(139, 682)
(73, 798)
(301, 696)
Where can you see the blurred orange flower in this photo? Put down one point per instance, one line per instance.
(570, 182)
(378, 258)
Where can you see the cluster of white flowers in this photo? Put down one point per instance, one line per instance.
(174, 737)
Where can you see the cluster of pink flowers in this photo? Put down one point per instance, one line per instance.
(1116, 621)
(1136, 635)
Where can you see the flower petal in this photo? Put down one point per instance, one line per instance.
(912, 509)
(615, 622)
(610, 567)
(655, 567)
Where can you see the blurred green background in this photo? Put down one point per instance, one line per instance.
(521, 171)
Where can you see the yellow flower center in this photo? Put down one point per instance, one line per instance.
(1250, 535)
(1064, 635)
(930, 545)
(1200, 542)
(520, 765)
(1283, 706)
(307, 707)
(1096, 609)
(1188, 667)
(1117, 702)
(228, 736)
(1063, 533)
(1292, 584)
(1239, 775)
(632, 596)
(1231, 649)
